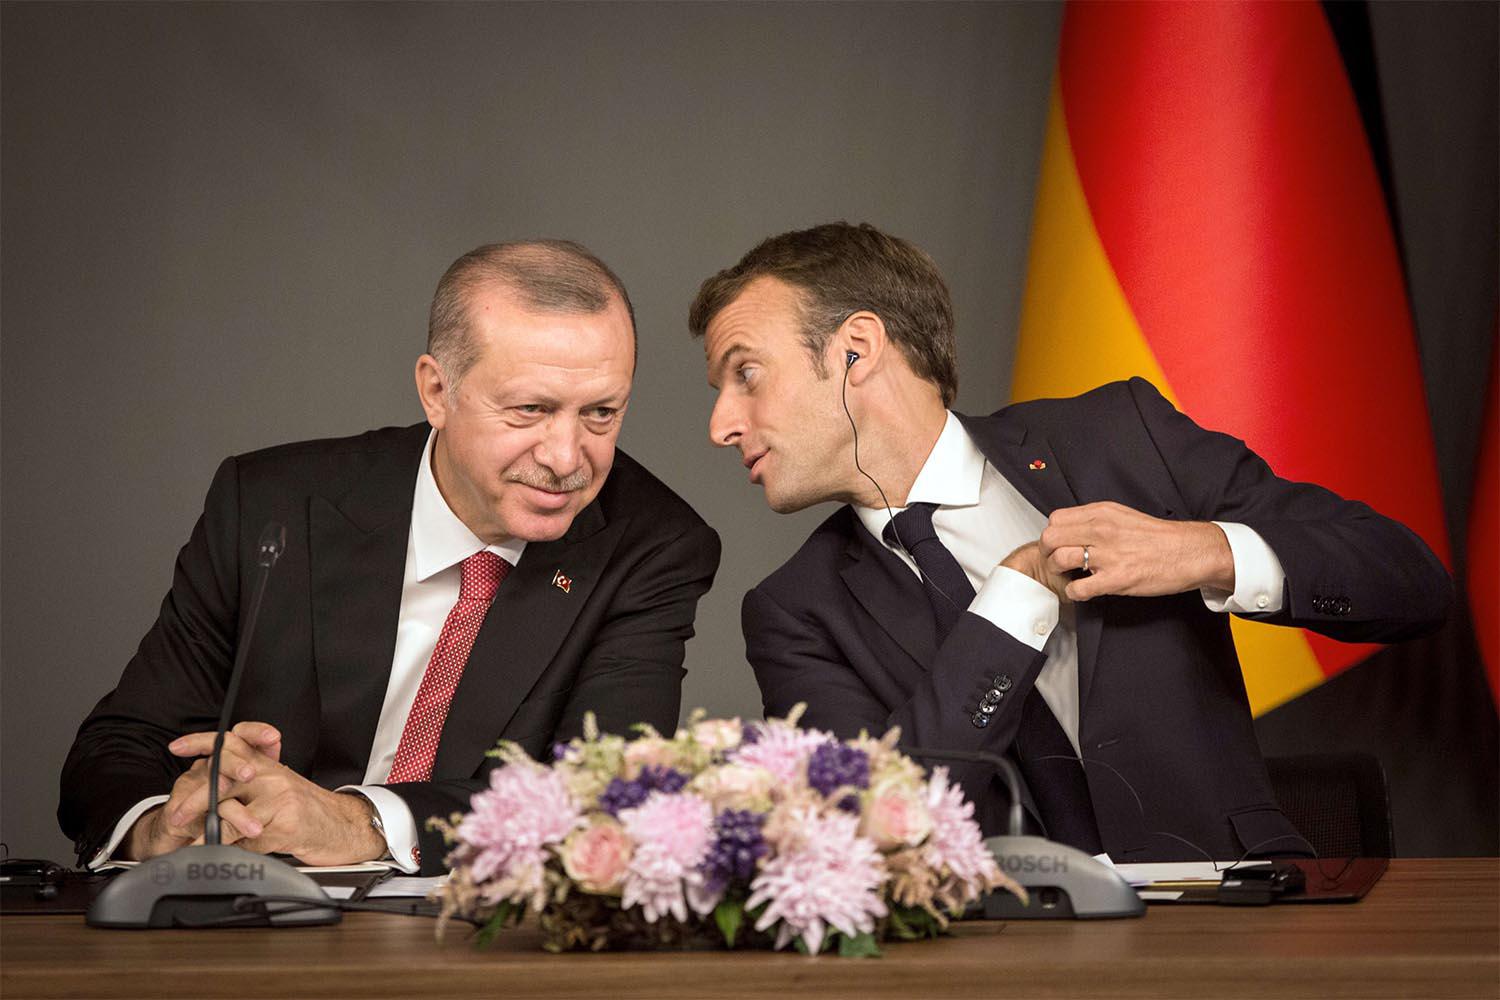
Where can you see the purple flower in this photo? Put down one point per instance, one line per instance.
(621, 794)
(738, 845)
(833, 766)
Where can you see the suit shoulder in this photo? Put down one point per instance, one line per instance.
(328, 459)
(632, 488)
(816, 558)
(1103, 403)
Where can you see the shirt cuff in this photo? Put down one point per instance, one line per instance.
(400, 826)
(1259, 580)
(106, 853)
(1017, 605)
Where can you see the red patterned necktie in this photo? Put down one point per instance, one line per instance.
(482, 573)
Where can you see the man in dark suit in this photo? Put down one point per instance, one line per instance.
(495, 572)
(1049, 582)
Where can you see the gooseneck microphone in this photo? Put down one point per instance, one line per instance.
(211, 884)
(272, 543)
(1061, 881)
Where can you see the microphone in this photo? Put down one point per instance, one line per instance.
(211, 884)
(1062, 881)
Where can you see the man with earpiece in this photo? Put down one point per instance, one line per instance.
(1052, 581)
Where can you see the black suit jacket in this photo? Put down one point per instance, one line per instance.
(845, 626)
(638, 557)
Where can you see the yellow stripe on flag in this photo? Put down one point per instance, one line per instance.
(1078, 332)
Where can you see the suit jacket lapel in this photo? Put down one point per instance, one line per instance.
(357, 551)
(526, 623)
(1027, 460)
(889, 592)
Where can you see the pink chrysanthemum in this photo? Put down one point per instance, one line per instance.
(504, 839)
(829, 878)
(672, 834)
(783, 750)
(955, 849)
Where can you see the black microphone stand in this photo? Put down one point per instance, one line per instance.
(211, 884)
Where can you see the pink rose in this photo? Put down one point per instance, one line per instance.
(718, 734)
(895, 816)
(648, 751)
(597, 856)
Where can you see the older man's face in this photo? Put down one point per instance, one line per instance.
(526, 439)
(786, 421)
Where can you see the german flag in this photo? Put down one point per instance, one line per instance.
(1210, 217)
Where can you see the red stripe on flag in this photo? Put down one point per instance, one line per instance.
(1225, 166)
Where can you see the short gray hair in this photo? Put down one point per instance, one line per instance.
(547, 275)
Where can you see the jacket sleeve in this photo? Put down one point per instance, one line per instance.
(1351, 573)
(796, 660)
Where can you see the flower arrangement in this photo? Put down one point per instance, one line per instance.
(728, 834)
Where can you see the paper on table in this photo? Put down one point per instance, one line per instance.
(1149, 873)
(407, 885)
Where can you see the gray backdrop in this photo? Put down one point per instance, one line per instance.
(222, 225)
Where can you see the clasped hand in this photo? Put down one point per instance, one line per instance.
(264, 805)
(1128, 553)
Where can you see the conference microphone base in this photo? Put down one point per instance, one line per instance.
(1062, 881)
(212, 886)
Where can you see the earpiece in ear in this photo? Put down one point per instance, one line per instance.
(849, 358)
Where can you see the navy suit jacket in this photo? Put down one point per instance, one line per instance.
(638, 557)
(845, 626)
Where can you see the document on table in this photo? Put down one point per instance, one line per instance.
(401, 885)
(1165, 881)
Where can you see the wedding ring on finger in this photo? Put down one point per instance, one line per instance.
(1086, 568)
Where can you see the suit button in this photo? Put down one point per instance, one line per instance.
(988, 707)
(1344, 605)
(1002, 682)
(980, 720)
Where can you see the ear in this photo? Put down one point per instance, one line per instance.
(432, 390)
(864, 334)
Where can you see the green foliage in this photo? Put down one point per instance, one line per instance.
(912, 923)
(729, 914)
(506, 912)
(859, 946)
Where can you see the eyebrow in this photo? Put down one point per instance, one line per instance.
(717, 371)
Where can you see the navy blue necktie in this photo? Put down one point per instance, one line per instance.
(947, 585)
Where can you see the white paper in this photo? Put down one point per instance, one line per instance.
(1147, 873)
(407, 885)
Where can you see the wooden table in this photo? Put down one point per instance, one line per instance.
(1430, 928)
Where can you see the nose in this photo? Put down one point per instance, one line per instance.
(726, 423)
(561, 448)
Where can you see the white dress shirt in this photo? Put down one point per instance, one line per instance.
(436, 545)
(982, 518)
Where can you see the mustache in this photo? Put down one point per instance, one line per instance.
(544, 479)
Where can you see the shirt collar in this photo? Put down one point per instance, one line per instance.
(439, 539)
(950, 477)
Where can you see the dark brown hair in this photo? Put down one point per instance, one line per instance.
(547, 275)
(839, 269)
